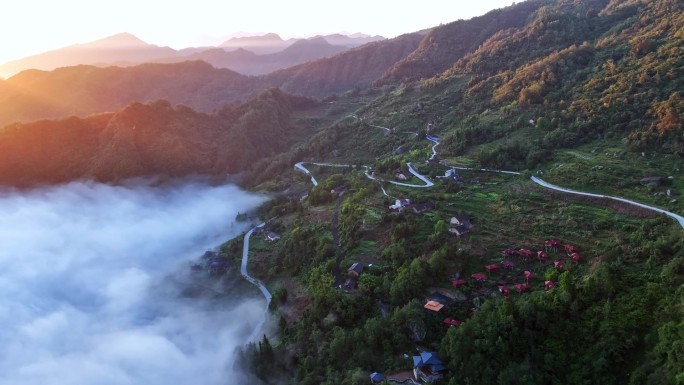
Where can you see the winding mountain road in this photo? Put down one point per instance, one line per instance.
(548, 185)
(300, 166)
(428, 183)
(254, 281)
(384, 128)
(486, 170)
(540, 182)
(434, 140)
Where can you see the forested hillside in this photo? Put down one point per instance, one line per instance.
(446, 44)
(155, 139)
(585, 94)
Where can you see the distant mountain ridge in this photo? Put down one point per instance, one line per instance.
(84, 90)
(116, 48)
(125, 49)
(245, 61)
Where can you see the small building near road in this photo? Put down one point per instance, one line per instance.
(400, 204)
(272, 236)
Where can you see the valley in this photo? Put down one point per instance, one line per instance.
(495, 200)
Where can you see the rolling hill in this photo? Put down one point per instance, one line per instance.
(154, 139)
(84, 90)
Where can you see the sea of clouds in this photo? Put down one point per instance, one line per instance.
(92, 279)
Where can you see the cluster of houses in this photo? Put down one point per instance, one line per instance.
(436, 303)
(525, 256)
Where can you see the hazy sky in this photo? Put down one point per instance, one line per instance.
(33, 26)
(90, 285)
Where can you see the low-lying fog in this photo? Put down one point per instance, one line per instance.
(91, 282)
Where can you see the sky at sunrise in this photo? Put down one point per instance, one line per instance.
(33, 26)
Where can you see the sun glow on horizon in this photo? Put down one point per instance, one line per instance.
(31, 26)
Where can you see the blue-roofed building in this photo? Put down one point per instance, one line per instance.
(377, 377)
(428, 367)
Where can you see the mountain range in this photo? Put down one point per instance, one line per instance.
(517, 58)
(266, 53)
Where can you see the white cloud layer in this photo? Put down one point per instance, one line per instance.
(91, 278)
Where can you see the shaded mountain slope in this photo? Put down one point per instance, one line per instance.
(446, 44)
(358, 67)
(147, 140)
(84, 90)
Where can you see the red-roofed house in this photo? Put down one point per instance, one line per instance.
(522, 287)
(551, 244)
(504, 290)
(479, 277)
(458, 282)
(570, 249)
(575, 257)
(451, 322)
(542, 255)
(528, 275)
(548, 285)
(558, 264)
(492, 267)
(525, 253)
